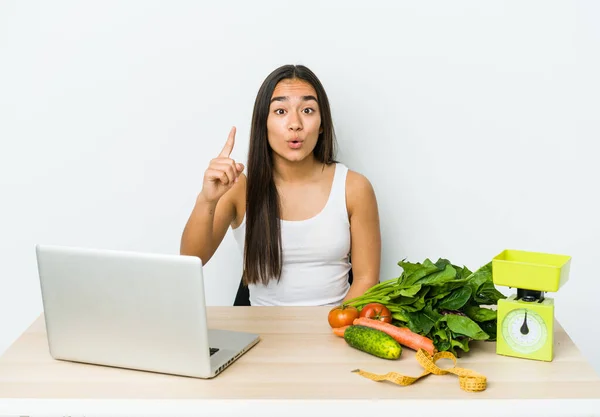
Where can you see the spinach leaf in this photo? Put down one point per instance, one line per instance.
(410, 291)
(405, 301)
(462, 273)
(461, 342)
(480, 314)
(398, 316)
(416, 305)
(456, 299)
(465, 326)
(409, 267)
(441, 291)
(491, 328)
(442, 263)
(488, 294)
(442, 337)
(415, 274)
(441, 334)
(440, 277)
(442, 345)
(422, 322)
(479, 277)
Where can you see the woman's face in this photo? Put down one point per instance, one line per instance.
(294, 120)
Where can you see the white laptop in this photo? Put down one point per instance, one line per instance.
(132, 310)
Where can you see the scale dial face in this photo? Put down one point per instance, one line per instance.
(524, 330)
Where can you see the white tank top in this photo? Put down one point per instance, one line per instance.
(315, 253)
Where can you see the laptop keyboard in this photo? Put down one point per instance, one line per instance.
(213, 350)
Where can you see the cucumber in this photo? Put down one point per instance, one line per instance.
(372, 341)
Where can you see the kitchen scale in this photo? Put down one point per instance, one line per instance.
(526, 319)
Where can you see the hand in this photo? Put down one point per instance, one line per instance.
(222, 172)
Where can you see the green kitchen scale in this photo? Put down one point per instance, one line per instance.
(526, 319)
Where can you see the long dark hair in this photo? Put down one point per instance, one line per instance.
(262, 253)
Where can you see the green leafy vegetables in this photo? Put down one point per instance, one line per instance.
(441, 301)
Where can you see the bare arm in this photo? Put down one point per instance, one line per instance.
(365, 234)
(215, 207)
(207, 225)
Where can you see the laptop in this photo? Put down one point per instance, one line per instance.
(132, 310)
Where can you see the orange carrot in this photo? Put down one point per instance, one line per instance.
(402, 335)
(339, 331)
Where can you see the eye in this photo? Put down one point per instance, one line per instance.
(308, 110)
(279, 111)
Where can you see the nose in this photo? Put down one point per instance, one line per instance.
(294, 122)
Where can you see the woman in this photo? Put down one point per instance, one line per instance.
(299, 216)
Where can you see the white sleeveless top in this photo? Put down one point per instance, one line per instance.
(315, 253)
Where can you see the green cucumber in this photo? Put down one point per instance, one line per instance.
(372, 341)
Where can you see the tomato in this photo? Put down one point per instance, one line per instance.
(342, 316)
(376, 311)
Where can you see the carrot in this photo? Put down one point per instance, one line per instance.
(402, 335)
(339, 331)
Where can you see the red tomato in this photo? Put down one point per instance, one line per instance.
(376, 311)
(342, 316)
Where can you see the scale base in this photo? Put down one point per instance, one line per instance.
(526, 328)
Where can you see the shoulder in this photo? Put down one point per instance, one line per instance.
(359, 191)
(357, 184)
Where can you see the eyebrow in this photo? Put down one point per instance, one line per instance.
(285, 98)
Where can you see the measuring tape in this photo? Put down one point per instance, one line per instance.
(469, 381)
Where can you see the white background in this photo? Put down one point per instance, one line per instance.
(476, 122)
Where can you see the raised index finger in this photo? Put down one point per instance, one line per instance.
(229, 144)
